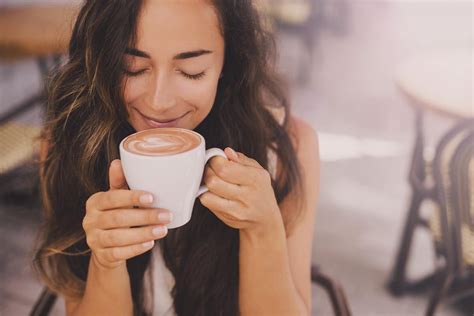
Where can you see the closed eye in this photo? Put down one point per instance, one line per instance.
(194, 77)
(134, 73)
(189, 76)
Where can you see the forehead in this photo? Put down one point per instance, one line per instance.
(172, 25)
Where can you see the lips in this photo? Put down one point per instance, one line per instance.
(161, 123)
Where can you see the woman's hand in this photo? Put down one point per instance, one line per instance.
(115, 230)
(240, 192)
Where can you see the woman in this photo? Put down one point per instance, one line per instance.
(201, 65)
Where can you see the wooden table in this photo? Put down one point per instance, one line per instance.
(35, 31)
(440, 82)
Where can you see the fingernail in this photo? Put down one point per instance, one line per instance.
(236, 157)
(165, 216)
(146, 198)
(148, 244)
(158, 231)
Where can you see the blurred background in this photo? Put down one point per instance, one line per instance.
(381, 81)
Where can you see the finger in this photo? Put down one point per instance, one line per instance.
(247, 161)
(116, 176)
(133, 217)
(224, 211)
(123, 253)
(130, 236)
(218, 186)
(217, 203)
(232, 172)
(119, 199)
(231, 154)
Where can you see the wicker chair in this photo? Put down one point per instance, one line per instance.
(339, 303)
(451, 223)
(33, 31)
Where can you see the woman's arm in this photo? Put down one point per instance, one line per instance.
(267, 286)
(116, 232)
(107, 292)
(275, 271)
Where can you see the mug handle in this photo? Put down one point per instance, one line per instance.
(212, 152)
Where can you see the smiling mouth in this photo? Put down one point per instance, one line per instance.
(161, 121)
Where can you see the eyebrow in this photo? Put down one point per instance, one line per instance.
(180, 56)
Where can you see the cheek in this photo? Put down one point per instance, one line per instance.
(200, 94)
(133, 89)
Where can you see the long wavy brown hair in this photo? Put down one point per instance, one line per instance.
(87, 118)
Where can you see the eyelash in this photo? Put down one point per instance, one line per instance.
(134, 74)
(192, 77)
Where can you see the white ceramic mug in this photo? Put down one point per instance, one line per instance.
(172, 179)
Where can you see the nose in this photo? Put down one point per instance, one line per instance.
(162, 95)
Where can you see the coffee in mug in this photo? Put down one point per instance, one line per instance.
(166, 142)
(169, 163)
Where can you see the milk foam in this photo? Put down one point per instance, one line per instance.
(161, 141)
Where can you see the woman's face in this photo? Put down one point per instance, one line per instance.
(171, 75)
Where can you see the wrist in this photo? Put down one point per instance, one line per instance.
(103, 267)
(267, 231)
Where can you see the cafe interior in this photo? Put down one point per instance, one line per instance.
(387, 85)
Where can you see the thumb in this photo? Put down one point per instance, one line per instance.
(116, 176)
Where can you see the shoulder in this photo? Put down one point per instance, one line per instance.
(300, 132)
(300, 232)
(305, 141)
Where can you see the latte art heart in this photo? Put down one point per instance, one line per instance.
(161, 141)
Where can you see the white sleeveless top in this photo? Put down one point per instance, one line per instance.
(163, 280)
